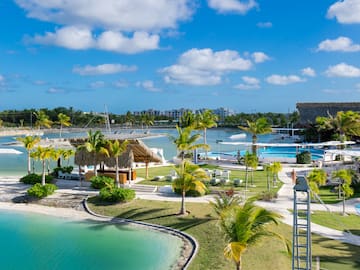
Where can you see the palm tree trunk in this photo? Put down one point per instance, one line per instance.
(117, 172)
(183, 210)
(146, 170)
(206, 152)
(95, 170)
(254, 138)
(29, 163)
(343, 205)
(60, 130)
(43, 173)
(238, 265)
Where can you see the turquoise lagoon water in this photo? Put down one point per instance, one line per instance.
(31, 241)
(16, 164)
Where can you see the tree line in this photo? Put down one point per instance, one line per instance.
(78, 118)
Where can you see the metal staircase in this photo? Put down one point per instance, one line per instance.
(301, 255)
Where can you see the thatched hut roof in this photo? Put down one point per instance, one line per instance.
(136, 151)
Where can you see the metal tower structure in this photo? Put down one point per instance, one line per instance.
(301, 255)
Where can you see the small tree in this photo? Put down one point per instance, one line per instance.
(345, 178)
(190, 178)
(115, 150)
(43, 154)
(64, 121)
(42, 119)
(29, 143)
(275, 168)
(316, 178)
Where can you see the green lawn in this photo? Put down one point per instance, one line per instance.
(201, 223)
(330, 196)
(337, 221)
(259, 182)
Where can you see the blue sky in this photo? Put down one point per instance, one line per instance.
(250, 56)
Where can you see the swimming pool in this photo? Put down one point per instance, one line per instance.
(32, 241)
(269, 152)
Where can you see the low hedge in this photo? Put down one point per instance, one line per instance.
(267, 195)
(65, 169)
(114, 194)
(193, 193)
(40, 191)
(303, 158)
(33, 178)
(99, 182)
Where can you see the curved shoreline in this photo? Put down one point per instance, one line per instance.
(186, 255)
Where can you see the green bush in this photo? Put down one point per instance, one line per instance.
(99, 182)
(268, 195)
(41, 191)
(303, 158)
(34, 178)
(193, 193)
(114, 194)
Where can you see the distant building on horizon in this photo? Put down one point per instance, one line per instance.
(308, 111)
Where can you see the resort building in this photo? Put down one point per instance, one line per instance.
(309, 111)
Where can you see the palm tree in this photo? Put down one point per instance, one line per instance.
(260, 126)
(187, 119)
(345, 178)
(43, 154)
(115, 150)
(29, 143)
(250, 160)
(316, 178)
(95, 144)
(225, 203)
(63, 120)
(186, 142)
(42, 119)
(275, 168)
(1, 123)
(205, 120)
(344, 123)
(245, 226)
(190, 178)
(67, 153)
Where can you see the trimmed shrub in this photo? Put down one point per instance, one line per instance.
(115, 194)
(99, 182)
(41, 191)
(33, 178)
(193, 193)
(303, 158)
(268, 195)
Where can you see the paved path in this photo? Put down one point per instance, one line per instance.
(10, 187)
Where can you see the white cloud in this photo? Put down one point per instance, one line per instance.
(148, 85)
(204, 67)
(124, 15)
(71, 37)
(117, 42)
(237, 6)
(308, 71)
(249, 83)
(120, 84)
(260, 57)
(250, 80)
(284, 80)
(343, 70)
(80, 38)
(346, 11)
(102, 69)
(343, 44)
(55, 90)
(97, 84)
(2, 79)
(264, 24)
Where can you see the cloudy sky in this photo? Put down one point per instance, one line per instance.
(247, 55)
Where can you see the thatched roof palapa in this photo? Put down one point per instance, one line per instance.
(136, 151)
